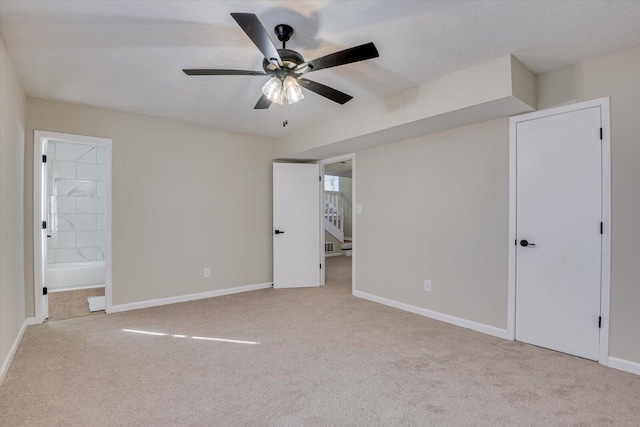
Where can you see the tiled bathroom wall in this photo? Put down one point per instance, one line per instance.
(76, 203)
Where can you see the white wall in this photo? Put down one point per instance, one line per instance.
(346, 188)
(12, 125)
(184, 198)
(337, 245)
(452, 227)
(617, 76)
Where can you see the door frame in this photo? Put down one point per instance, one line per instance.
(322, 163)
(605, 280)
(39, 257)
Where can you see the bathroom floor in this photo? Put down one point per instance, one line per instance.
(68, 304)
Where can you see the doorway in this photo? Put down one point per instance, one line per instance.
(338, 220)
(72, 229)
(560, 229)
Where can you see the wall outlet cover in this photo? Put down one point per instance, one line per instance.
(427, 285)
(207, 272)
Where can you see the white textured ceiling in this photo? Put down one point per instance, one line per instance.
(128, 55)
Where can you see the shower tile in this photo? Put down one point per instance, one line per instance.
(90, 204)
(91, 171)
(50, 186)
(75, 222)
(62, 204)
(59, 169)
(51, 151)
(51, 256)
(100, 222)
(62, 239)
(75, 255)
(75, 152)
(100, 189)
(89, 239)
(99, 254)
(75, 188)
(100, 155)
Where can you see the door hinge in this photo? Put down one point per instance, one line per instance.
(320, 179)
(320, 265)
(599, 322)
(601, 227)
(44, 225)
(44, 158)
(45, 291)
(600, 133)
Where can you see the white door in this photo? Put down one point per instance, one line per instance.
(296, 225)
(559, 242)
(47, 224)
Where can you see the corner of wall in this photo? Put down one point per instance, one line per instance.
(523, 83)
(12, 145)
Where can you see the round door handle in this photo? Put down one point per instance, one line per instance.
(525, 243)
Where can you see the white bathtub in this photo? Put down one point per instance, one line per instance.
(75, 275)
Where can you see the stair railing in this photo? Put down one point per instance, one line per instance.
(334, 215)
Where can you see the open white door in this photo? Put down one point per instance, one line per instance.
(43, 232)
(296, 225)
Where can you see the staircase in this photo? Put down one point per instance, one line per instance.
(334, 207)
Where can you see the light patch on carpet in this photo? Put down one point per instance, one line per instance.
(162, 334)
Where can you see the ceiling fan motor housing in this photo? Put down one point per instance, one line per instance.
(290, 59)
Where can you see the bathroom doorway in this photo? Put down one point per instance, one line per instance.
(72, 230)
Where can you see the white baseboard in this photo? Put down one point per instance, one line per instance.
(624, 365)
(479, 327)
(330, 254)
(12, 351)
(184, 298)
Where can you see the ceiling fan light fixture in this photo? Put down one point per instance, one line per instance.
(292, 90)
(273, 90)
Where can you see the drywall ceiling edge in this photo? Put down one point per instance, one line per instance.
(498, 88)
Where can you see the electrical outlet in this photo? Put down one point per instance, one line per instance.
(427, 285)
(207, 272)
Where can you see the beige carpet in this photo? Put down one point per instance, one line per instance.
(323, 358)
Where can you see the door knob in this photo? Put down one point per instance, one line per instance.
(525, 243)
(279, 232)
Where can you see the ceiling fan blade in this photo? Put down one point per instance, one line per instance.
(263, 103)
(251, 25)
(213, 72)
(347, 56)
(330, 93)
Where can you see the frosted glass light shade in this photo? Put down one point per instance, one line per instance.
(292, 90)
(273, 90)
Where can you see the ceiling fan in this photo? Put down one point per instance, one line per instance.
(286, 67)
